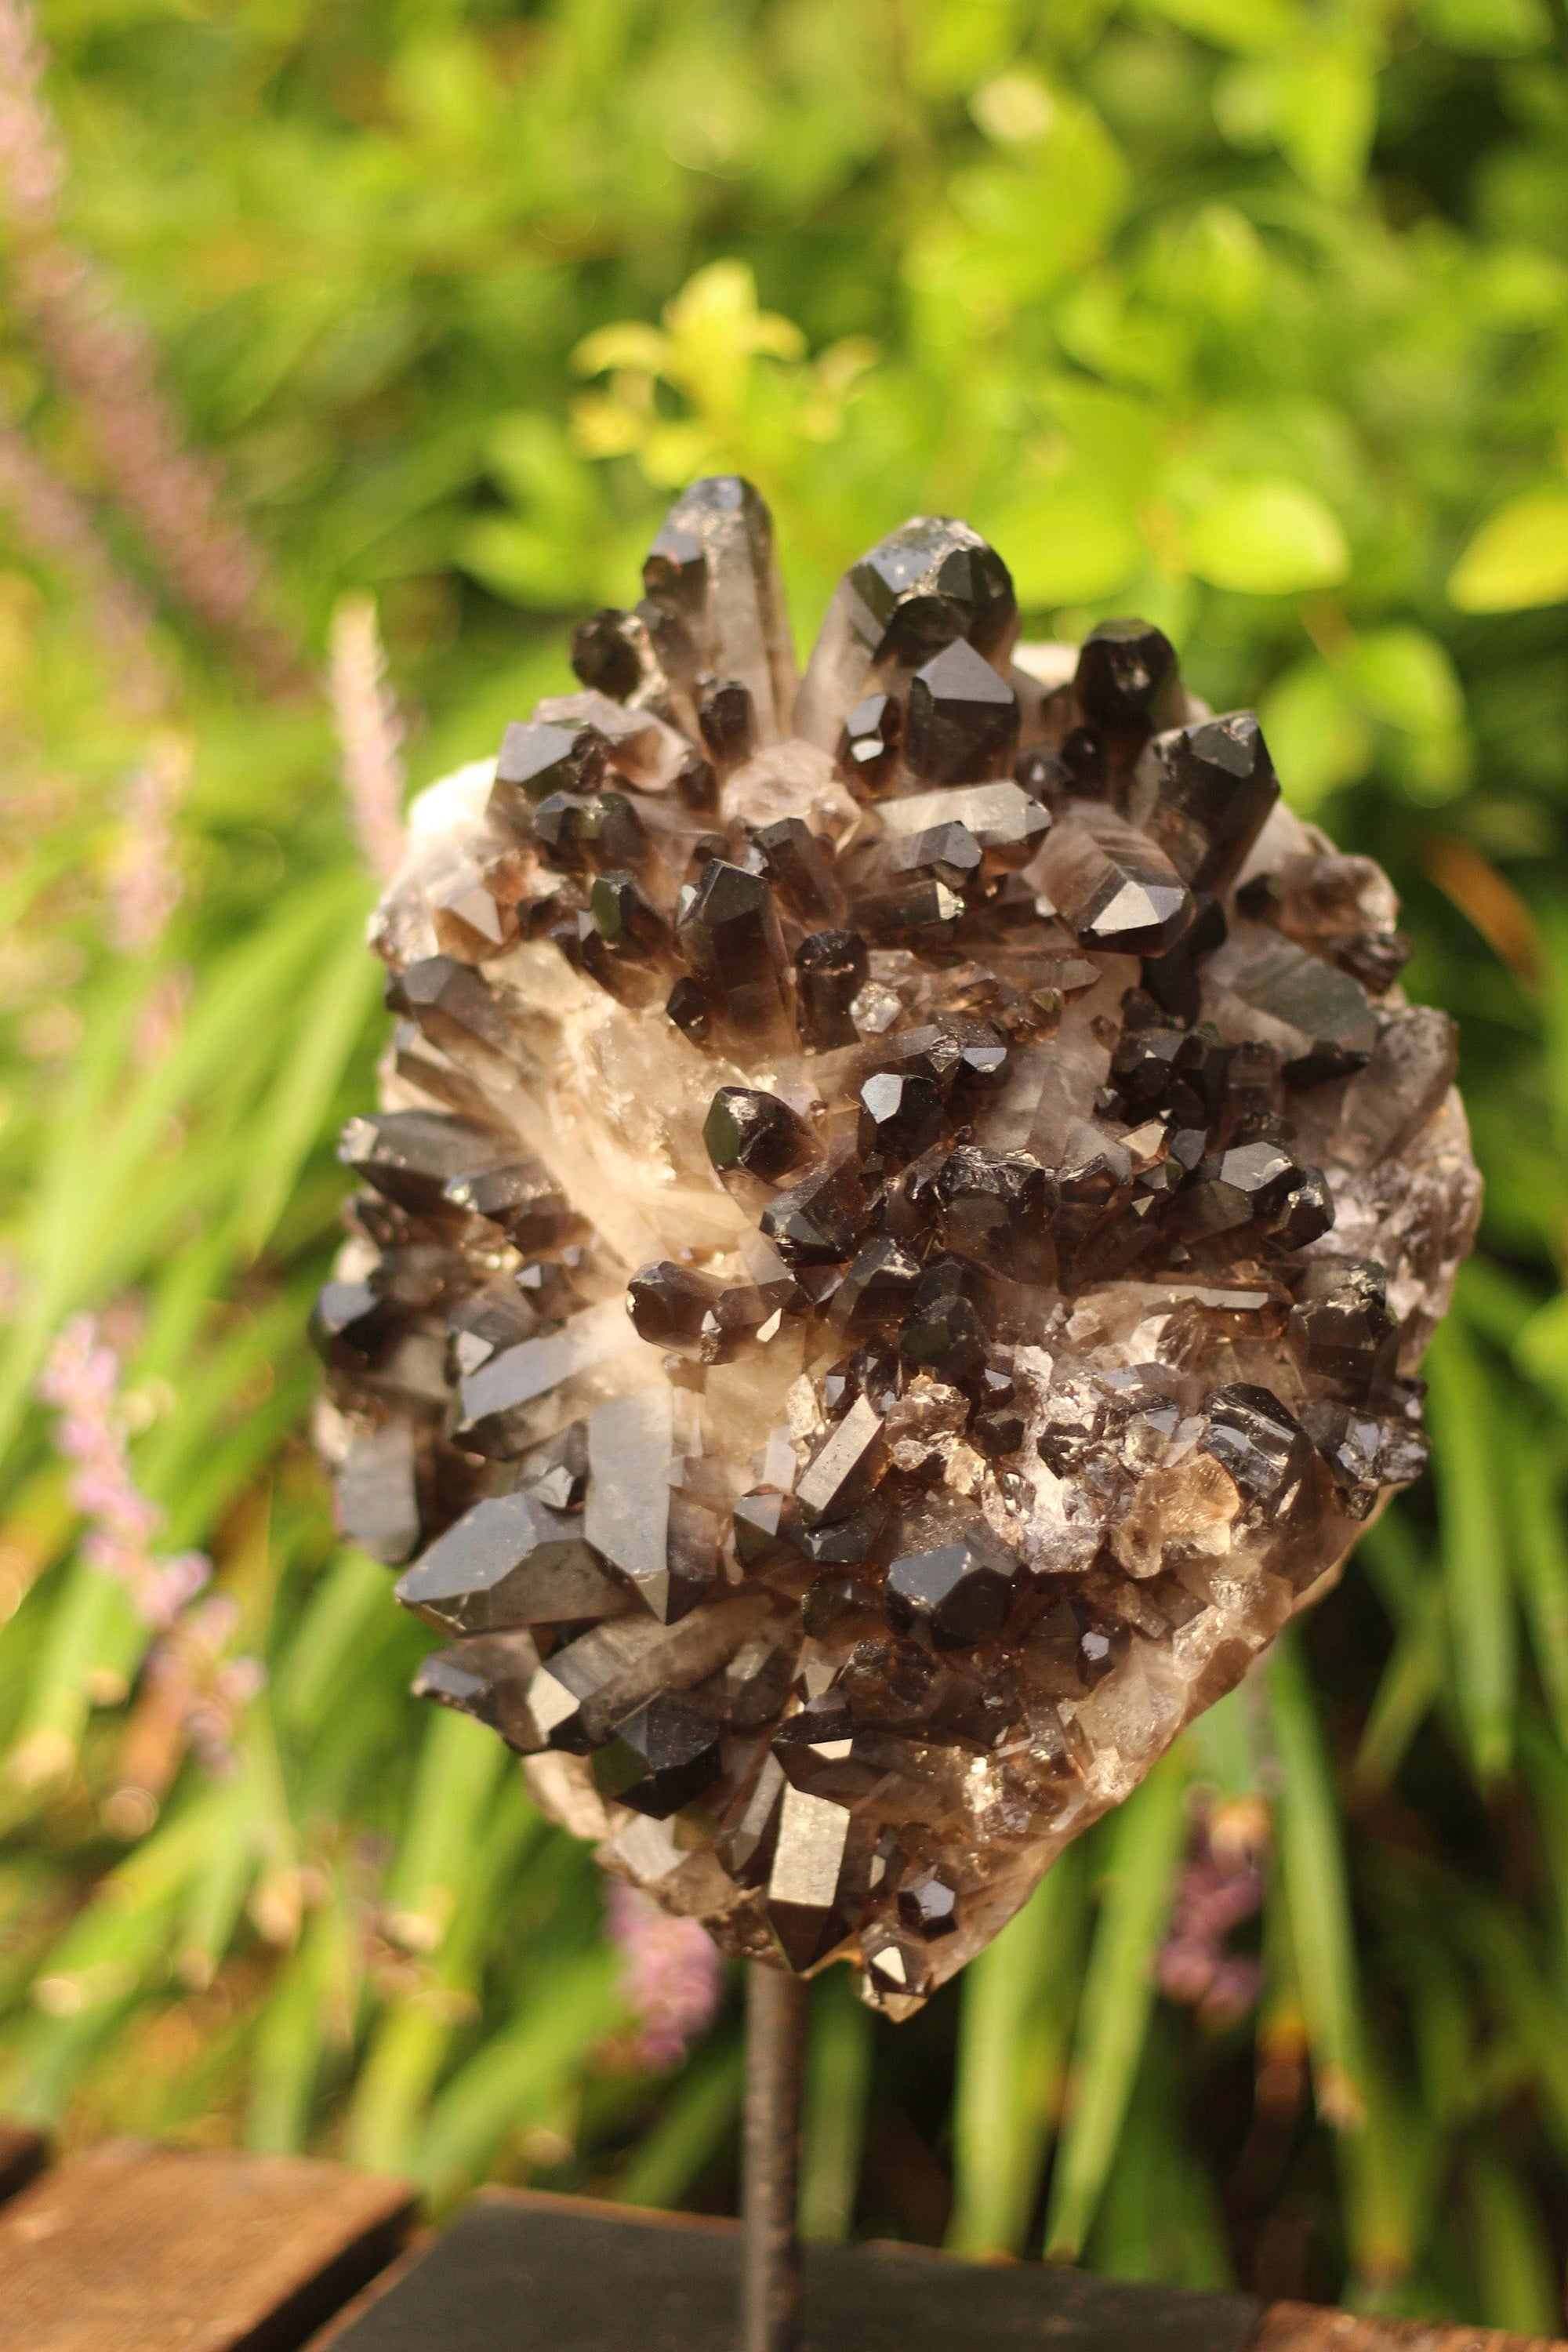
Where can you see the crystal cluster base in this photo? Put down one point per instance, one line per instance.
(898, 1244)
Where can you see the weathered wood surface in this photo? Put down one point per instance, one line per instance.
(139, 2249)
(1307, 2327)
(520, 2272)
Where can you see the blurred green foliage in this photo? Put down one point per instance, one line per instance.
(1250, 315)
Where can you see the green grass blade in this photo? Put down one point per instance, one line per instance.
(1312, 1864)
(328, 1024)
(517, 2074)
(1541, 1563)
(837, 2085)
(1145, 1854)
(1516, 2277)
(1018, 2001)
(460, 1762)
(1467, 1446)
(1160, 2218)
(1410, 1686)
(696, 2120)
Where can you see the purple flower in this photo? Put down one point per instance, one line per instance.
(1220, 1886)
(105, 359)
(145, 885)
(61, 533)
(670, 1974)
(82, 1379)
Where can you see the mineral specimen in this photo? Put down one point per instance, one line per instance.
(898, 1244)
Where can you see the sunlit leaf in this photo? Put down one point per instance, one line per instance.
(1488, 28)
(1517, 558)
(1268, 538)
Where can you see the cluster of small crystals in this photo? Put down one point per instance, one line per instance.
(905, 1218)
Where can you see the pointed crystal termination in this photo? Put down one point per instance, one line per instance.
(1128, 684)
(880, 1280)
(807, 1906)
(412, 1156)
(486, 1677)
(631, 1518)
(1205, 794)
(508, 1562)
(962, 722)
(612, 654)
(590, 1686)
(454, 1008)
(927, 584)
(713, 567)
(729, 935)
(752, 1133)
(1111, 887)
(959, 1594)
(1004, 821)
(830, 969)
(536, 759)
(660, 1759)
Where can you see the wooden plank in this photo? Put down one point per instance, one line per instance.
(24, 2153)
(138, 2249)
(1305, 2328)
(520, 2272)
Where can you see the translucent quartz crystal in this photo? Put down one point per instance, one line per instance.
(894, 1257)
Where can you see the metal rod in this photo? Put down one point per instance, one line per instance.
(770, 2245)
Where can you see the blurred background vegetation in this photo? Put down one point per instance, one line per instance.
(1249, 315)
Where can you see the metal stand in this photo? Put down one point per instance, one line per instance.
(770, 2247)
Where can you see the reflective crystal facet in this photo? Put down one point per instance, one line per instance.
(889, 1264)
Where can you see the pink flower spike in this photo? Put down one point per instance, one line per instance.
(670, 1974)
(369, 733)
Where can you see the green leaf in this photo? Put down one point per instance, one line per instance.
(1145, 1845)
(1160, 2218)
(1072, 543)
(1518, 559)
(330, 1019)
(1541, 1351)
(1486, 28)
(1269, 537)
(1405, 677)
(1247, 26)
(1315, 100)
(1317, 733)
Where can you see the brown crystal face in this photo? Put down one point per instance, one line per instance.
(897, 1243)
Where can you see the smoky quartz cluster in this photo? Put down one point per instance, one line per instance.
(897, 1249)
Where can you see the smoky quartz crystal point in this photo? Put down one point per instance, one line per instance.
(897, 1245)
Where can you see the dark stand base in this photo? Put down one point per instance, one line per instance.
(527, 2274)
